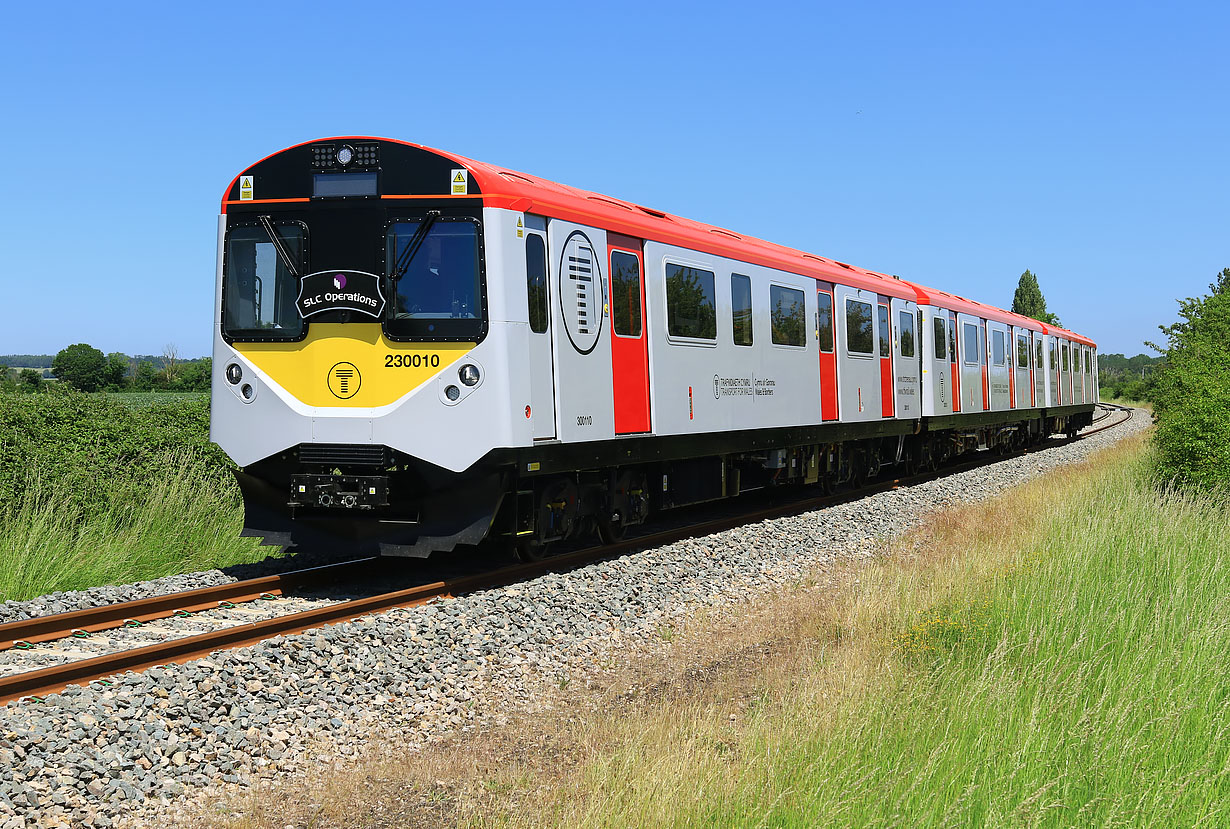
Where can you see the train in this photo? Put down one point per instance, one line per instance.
(416, 352)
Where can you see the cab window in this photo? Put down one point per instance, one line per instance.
(261, 282)
(435, 275)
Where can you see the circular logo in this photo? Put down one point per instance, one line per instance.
(344, 380)
(339, 281)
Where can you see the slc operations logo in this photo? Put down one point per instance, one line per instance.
(344, 380)
(339, 281)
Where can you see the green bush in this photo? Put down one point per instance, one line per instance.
(1192, 398)
(96, 490)
(91, 452)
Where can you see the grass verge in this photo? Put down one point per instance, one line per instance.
(1056, 656)
(95, 491)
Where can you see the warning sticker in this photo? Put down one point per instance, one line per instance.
(245, 188)
(461, 183)
(520, 228)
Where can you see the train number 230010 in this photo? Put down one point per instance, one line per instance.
(411, 360)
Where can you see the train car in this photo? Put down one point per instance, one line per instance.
(416, 351)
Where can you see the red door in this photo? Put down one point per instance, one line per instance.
(953, 345)
(828, 354)
(629, 340)
(886, 360)
(985, 346)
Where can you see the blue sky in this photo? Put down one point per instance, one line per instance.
(953, 144)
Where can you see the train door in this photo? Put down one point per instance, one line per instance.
(906, 356)
(887, 407)
(629, 337)
(538, 290)
(954, 361)
(1022, 380)
(582, 340)
(1052, 372)
(1036, 372)
(828, 353)
(858, 353)
(971, 364)
(984, 346)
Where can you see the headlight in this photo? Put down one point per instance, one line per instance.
(345, 154)
(469, 374)
(452, 392)
(234, 374)
(248, 392)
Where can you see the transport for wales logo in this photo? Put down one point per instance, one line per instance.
(344, 380)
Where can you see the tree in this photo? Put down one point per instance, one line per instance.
(7, 379)
(170, 363)
(145, 377)
(1029, 302)
(31, 378)
(1193, 392)
(82, 366)
(117, 370)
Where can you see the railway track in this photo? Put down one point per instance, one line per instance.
(247, 612)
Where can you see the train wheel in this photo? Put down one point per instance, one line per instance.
(529, 549)
(611, 530)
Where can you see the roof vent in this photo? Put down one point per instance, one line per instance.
(725, 233)
(511, 176)
(611, 202)
(656, 213)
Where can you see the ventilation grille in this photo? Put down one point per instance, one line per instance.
(343, 454)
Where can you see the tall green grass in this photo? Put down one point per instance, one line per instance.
(95, 492)
(1078, 674)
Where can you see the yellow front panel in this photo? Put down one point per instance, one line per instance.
(351, 364)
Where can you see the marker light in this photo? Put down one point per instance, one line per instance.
(345, 154)
(247, 391)
(452, 392)
(234, 374)
(469, 374)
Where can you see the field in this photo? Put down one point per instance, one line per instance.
(101, 489)
(1059, 656)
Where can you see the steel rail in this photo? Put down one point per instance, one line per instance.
(52, 679)
(106, 617)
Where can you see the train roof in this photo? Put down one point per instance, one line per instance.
(501, 187)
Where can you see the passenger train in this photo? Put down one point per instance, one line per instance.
(415, 351)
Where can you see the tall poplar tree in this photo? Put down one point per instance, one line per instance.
(1029, 302)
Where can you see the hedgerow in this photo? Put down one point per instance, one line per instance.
(1192, 398)
(89, 452)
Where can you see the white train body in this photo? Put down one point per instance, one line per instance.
(473, 353)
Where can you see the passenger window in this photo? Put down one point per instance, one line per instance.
(997, 346)
(690, 308)
(970, 336)
(940, 338)
(1065, 360)
(885, 334)
(626, 293)
(906, 321)
(1022, 351)
(788, 315)
(536, 282)
(1038, 355)
(1051, 358)
(824, 321)
(741, 308)
(859, 333)
(952, 339)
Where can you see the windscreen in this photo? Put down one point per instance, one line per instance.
(435, 275)
(260, 286)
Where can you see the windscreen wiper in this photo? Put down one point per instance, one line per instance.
(412, 247)
(279, 245)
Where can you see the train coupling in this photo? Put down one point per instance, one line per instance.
(339, 491)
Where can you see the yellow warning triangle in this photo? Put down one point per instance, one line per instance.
(247, 182)
(461, 176)
(519, 223)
